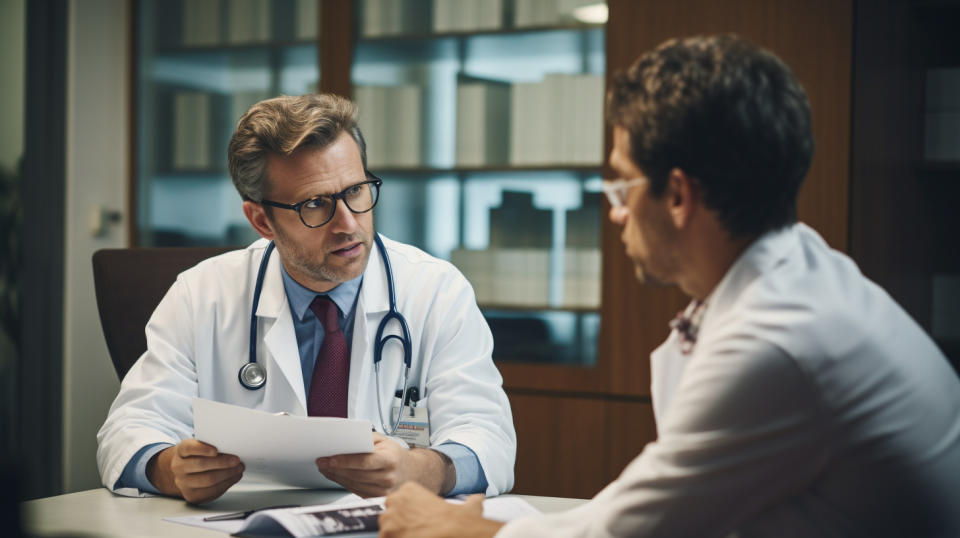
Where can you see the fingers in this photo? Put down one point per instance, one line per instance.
(195, 494)
(361, 483)
(201, 473)
(474, 504)
(192, 447)
(397, 498)
(212, 478)
(200, 464)
(357, 462)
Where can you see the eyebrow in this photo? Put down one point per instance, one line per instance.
(312, 196)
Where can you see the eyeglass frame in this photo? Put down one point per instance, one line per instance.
(373, 180)
(617, 190)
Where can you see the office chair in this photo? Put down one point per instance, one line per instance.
(129, 284)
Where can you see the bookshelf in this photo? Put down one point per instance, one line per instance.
(491, 113)
(199, 65)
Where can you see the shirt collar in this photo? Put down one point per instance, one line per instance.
(758, 258)
(300, 297)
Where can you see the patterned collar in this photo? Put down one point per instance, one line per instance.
(687, 324)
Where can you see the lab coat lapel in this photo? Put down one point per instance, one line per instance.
(274, 315)
(667, 363)
(372, 302)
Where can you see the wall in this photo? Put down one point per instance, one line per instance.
(12, 24)
(98, 149)
(12, 39)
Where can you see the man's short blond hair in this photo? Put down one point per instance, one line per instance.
(281, 126)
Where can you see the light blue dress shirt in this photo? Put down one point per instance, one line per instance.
(310, 333)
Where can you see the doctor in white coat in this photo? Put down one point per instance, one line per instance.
(287, 150)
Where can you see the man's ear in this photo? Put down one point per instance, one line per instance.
(682, 197)
(257, 215)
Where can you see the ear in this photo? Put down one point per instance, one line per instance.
(681, 197)
(258, 218)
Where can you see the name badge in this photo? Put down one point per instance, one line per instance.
(414, 426)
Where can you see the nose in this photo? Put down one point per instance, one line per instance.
(343, 221)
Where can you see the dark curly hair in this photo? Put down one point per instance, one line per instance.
(729, 114)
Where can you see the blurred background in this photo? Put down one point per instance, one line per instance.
(485, 120)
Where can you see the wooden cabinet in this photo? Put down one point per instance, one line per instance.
(903, 216)
(574, 445)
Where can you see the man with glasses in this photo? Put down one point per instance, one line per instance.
(299, 164)
(794, 397)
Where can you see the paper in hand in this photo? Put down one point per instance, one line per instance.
(279, 448)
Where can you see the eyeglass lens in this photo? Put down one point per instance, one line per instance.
(359, 199)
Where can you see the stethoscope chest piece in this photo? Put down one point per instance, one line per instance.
(252, 375)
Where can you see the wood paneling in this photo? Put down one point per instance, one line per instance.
(573, 446)
(630, 427)
(336, 46)
(560, 445)
(903, 216)
(887, 138)
(555, 377)
(814, 38)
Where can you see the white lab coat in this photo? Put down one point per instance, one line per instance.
(811, 405)
(198, 338)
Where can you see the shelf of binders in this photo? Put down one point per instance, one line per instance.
(465, 34)
(227, 25)
(416, 19)
(229, 49)
(426, 171)
(551, 122)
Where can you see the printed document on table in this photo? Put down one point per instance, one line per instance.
(279, 448)
(349, 515)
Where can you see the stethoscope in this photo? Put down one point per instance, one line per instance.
(253, 376)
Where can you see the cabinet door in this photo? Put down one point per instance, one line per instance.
(485, 120)
(561, 445)
(630, 426)
(200, 65)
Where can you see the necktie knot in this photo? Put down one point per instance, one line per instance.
(327, 312)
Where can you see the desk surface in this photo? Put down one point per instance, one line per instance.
(98, 512)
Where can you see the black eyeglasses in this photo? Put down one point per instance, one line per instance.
(318, 210)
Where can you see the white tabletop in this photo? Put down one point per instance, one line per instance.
(98, 512)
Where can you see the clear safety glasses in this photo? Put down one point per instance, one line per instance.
(617, 189)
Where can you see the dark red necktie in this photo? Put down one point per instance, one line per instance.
(331, 373)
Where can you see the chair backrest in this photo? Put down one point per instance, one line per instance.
(129, 284)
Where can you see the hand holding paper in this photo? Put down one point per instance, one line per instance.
(389, 465)
(278, 448)
(194, 471)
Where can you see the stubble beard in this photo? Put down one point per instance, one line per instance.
(304, 260)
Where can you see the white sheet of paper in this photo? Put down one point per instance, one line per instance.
(503, 508)
(279, 448)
